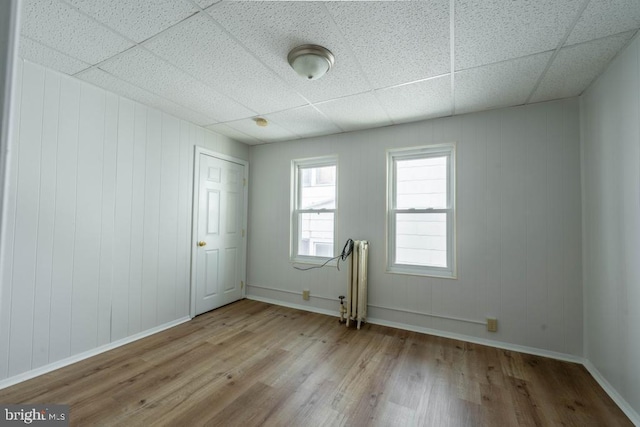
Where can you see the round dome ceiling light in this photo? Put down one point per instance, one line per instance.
(311, 61)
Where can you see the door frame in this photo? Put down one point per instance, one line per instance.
(194, 218)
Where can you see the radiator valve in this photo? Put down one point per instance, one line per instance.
(343, 310)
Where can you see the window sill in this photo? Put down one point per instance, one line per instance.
(413, 271)
(313, 261)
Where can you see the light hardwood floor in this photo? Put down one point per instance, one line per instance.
(252, 363)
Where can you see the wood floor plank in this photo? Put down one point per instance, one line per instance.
(251, 363)
(408, 381)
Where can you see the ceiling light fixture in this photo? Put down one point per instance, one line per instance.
(261, 121)
(311, 61)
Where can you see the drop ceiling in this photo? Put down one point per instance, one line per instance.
(222, 64)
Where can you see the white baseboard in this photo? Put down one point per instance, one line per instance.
(607, 387)
(292, 305)
(490, 343)
(89, 353)
(613, 393)
(615, 396)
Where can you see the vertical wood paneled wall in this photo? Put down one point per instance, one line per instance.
(99, 220)
(518, 226)
(9, 30)
(610, 119)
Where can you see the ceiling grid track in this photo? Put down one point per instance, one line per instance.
(177, 68)
(557, 50)
(90, 66)
(97, 67)
(141, 45)
(628, 42)
(91, 18)
(452, 44)
(278, 77)
(235, 72)
(373, 90)
(250, 52)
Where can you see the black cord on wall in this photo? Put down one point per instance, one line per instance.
(346, 251)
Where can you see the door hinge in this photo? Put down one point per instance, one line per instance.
(241, 284)
(243, 232)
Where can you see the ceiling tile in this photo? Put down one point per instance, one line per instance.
(200, 47)
(271, 29)
(141, 68)
(488, 31)
(63, 28)
(138, 19)
(418, 101)
(396, 42)
(206, 3)
(577, 66)
(41, 54)
(271, 133)
(498, 85)
(603, 18)
(221, 63)
(362, 111)
(224, 129)
(304, 122)
(113, 84)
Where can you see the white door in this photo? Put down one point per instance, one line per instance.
(219, 252)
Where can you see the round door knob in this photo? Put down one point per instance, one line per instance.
(201, 243)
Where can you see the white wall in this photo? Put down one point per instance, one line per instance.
(610, 119)
(9, 24)
(99, 219)
(519, 226)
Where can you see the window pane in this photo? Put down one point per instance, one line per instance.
(315, 234)
(326, 175)
(421, 183)
(318, 188)
(421, 239)
(324, 249)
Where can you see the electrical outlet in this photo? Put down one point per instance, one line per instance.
(492, 324)
(305, 295)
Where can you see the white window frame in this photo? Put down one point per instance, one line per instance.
(296, 188)
(448, 150)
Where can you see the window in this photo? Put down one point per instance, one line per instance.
(314, 205)
(421, 211)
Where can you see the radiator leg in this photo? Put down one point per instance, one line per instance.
(343, 310)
